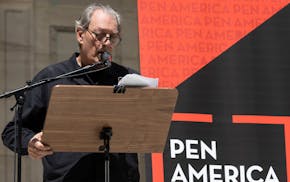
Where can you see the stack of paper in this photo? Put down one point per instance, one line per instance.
(138, 81)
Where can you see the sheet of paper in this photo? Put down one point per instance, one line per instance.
(138, 80)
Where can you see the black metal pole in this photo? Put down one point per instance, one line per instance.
(107, 167)
(106, 135)
(19, 109)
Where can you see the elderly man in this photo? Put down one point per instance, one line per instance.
(97, 31)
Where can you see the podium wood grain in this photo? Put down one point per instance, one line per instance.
(140, 118)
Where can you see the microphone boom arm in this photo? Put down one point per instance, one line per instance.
(81, 71)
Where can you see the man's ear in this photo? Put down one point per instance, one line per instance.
(79, 35)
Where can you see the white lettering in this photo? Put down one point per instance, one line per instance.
(223, 173)
(271, 176)
(204, 148)
(214, 176)
(190, 152)
(178, 175)
(242, 174)
(250, 171)
(193, 173)
(194, 149)
(176, 147)
(231, 173)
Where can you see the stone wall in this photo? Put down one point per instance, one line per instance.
(36, 33)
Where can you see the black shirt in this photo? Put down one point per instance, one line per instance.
(71, 167)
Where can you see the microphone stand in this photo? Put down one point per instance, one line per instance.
(106, 135)
(20, 99)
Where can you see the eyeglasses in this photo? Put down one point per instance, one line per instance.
(115, 39)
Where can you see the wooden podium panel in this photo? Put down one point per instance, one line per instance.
(140, 118)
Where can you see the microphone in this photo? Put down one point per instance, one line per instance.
(106, 59)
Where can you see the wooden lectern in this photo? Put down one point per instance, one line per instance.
(100, 119)
(140, 118)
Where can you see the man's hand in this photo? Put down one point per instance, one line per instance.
(36, 149)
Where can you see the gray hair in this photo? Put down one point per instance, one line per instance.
(85, 19)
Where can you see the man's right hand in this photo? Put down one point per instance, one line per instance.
(36, 149)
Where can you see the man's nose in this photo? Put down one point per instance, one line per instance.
(107, 40)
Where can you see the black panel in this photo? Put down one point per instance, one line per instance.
(252, 77)
(236, 144)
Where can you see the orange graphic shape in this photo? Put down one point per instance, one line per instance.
(178, 38)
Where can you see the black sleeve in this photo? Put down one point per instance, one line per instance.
(33, 116)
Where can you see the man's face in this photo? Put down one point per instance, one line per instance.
(91, 41)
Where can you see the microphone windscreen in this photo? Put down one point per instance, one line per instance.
(106, 58)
